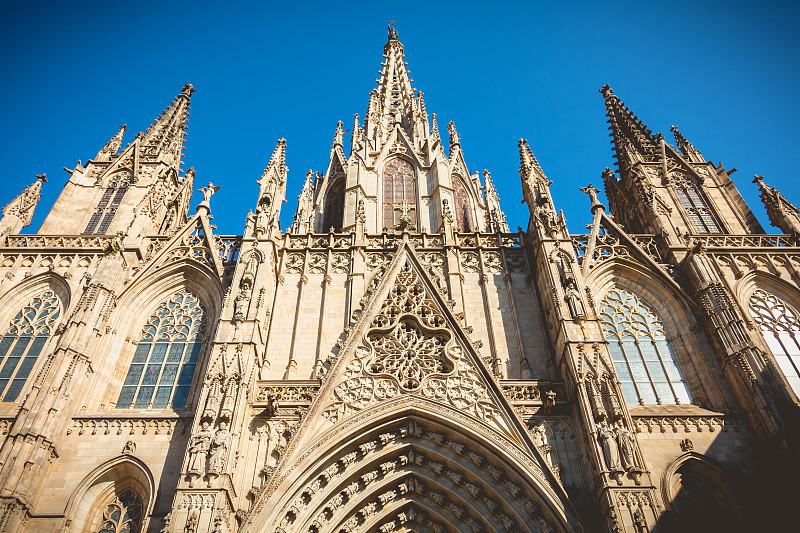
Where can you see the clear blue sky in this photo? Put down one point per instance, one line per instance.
(726, 73)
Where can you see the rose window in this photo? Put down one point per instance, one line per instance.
(409, 353)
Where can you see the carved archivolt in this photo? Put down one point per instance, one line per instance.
(408, 348)
(453, 485)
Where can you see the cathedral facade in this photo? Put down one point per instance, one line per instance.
(398, 359)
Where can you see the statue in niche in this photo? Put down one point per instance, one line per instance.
(626, 448)
(219, 449)
(541, 442)
(199, 446)
(573, 299)
(609, 444)
(241, 301)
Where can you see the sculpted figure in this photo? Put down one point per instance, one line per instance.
(219, 449)
(199, 446)
(609, 444)
(626, 448)
(573, 298)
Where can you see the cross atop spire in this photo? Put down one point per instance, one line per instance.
(630, 137)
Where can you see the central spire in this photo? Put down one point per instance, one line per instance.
(394, 103)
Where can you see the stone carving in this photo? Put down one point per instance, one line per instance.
(199, 446)
(608, 443)
(627, 449)
(129, 448)
(408, 349)
(219, 450)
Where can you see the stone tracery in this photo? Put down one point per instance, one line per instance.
(409, 349)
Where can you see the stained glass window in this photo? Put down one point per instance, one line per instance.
(643, 358)
(122, 513)
(780, 327)
(166, 356)
(24, 340)
(108, 205)
(463, 209)
(334, 205)
(696, 208)
(399, 193)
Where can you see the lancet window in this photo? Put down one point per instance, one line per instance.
(334, 205)
(166, 355)
(463, 208)
(399, 194)
(699, 214)
(122, 513)
(24, 340)
(643, 358)
(780, 327)
(108, 204)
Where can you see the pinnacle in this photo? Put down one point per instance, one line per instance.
(627, 130)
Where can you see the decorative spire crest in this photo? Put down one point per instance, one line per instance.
(18, 213)
(781, 212)
(455, 138)
(497, 219)
(632, 140)
(112, 146)
(686, 148)
(165, 137)
(305, 205)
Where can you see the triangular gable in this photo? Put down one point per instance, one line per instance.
(194, 242)
(398, 142)
(407, 343)
(638, 252)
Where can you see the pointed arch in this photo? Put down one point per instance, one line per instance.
(772, 305)
(116, 187)
(699, 495)
(31, 313)
(122, 474)
(463, 206)
(166, 355)
(692, 200)
(147, 294)
(334, 205)
(399, 193)
(673, 315)
(411, 452)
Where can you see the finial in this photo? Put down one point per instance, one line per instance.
(338, 137)
(187, 90)
(392, 30)
(42, 177)
(758, 179)
(592, 192)
(606, 91)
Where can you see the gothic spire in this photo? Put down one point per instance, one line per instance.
(686, 148)
(272, 192)
(305, 205)
(18, 213)
(632, 140)
(781, 212)
(112, 146)
(392, 104)
(528, 164)
(165, 136)
(497, 220)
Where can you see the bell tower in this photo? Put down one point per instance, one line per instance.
(135, 190)
(661, 189)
